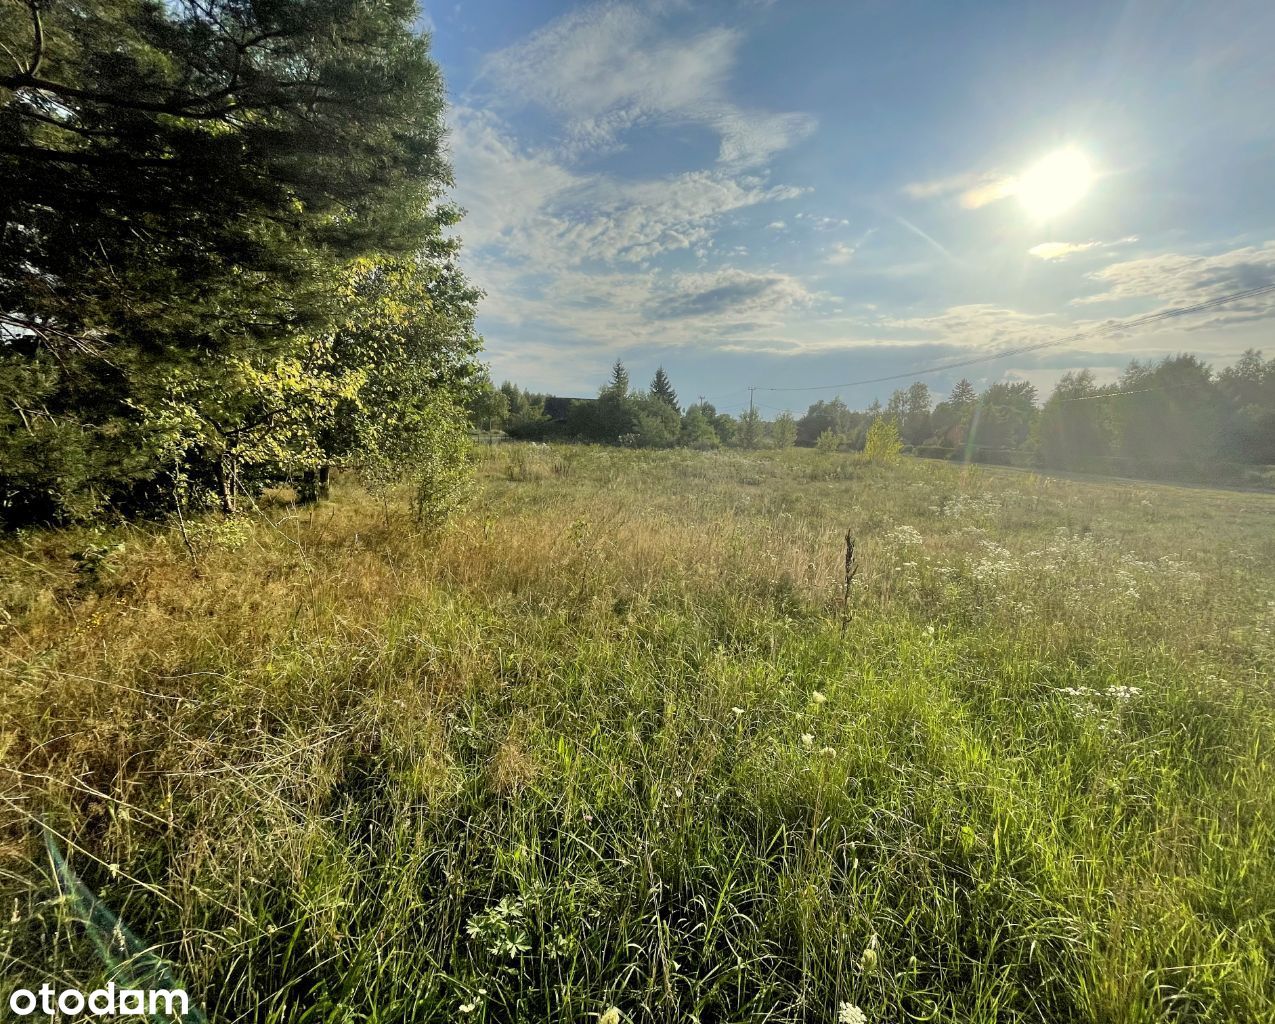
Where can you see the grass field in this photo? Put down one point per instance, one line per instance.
(611, 740)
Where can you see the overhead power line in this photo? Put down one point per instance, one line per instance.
(1097, 332)
(1140, 391)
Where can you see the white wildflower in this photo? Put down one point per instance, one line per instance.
(905, 536)
(851, 1014)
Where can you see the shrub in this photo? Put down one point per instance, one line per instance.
(883, 443)
(829, 441)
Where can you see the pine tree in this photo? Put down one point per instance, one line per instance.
(662, 389)
(618, 385)
(963, 393)
(198, 195)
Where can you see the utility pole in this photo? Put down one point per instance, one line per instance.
(752, 422)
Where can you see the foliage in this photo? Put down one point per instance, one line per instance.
(662, 389)
(618, 386)
(697, 429)
(748, 429)
(1068, 431)
(1172, 419)
(829, 441)
(489, 409)
(658, 424)
(1004, 415)
(197, 196)
(824, 416)
(963, 393)
(783, 430)
(883, 442)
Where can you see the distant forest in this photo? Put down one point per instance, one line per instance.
(1175, 419)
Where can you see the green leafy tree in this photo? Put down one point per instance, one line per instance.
(612, 416)
(749, 431)
(823, 416)
(409, 352)
(657, 424)
(1075, 425)
(1173, 411)
(187, 185)
(783, 430)
(883, 442)
(1249, 389)
(697, 429)
(829, 441)
(489, 408)
(1004, 416)
(916, 414)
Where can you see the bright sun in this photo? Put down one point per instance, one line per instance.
(1055, 184)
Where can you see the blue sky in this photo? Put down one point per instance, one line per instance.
(801, 193)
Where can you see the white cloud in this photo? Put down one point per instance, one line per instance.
(503, 187)
(840, 254)
(973, 188)
(821, 223)
(583, 256)
(982, 326)
(1181, 280)
(613, 66)
(531, 209)
(1060, 250)
(728, 295)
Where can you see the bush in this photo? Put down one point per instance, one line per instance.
(829, 441)
(883, 443)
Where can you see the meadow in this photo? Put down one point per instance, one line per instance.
(616, 745)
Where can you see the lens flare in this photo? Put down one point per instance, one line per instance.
(1055, 184)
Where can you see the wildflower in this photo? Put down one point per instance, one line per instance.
(829, 751)
(468, 1007)
(905, 536)
(611, 1016)
(807, 740)
(851, 1014)
(818, 697)
(737, 711)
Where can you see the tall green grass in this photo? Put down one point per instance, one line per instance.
(602, 744)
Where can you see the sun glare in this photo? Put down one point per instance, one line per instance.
(1055, 184)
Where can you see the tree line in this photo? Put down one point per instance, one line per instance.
(224, 256)
(1174, 417)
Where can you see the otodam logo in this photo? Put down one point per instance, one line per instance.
(101, 1002)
